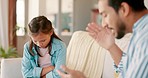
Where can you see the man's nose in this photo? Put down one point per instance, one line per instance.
(104, 24)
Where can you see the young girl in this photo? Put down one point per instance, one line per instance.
(44, 53)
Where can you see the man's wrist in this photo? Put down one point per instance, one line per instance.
(112, 48)
(116, 53)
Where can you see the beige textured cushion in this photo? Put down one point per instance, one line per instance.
(84, 54)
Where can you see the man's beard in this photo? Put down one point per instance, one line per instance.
(121, 31)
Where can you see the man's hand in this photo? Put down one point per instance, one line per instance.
(102, 35)
(70, 73)
(105, 39)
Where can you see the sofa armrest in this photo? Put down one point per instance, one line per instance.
(11, 68)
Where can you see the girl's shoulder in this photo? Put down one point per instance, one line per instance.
(26, 45)
(58, 43)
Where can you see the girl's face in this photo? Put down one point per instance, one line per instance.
(41, 40)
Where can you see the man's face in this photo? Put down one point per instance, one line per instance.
(111, 19)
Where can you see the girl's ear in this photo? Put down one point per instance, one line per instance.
(51, 32)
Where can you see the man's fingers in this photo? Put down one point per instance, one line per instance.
(93, 35)
(66, 72)
(65, 69)
(63, 75)
(93, 27)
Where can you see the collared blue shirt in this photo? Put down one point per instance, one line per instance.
(30, 67)
(134, 64)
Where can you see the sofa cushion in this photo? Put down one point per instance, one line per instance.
(84, 54)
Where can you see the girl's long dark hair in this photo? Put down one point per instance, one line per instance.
(37, 25)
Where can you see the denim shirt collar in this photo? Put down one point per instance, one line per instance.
(55, 46)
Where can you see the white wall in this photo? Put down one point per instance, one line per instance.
(82, 13)
(33, 9)
(146, 3)
(42, 7)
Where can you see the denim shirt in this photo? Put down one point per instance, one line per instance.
(30, 66)
(134, 64)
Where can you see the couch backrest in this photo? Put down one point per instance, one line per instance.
(85, 55)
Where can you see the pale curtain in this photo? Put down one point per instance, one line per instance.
(4, 23)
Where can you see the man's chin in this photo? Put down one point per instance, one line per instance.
(120, 36)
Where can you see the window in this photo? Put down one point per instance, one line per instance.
(52, 10)
(20, 20)
(67, 17)
(60, 12)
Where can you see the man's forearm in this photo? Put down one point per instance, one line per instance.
(116, 53)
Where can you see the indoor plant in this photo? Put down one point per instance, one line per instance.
(11, 52)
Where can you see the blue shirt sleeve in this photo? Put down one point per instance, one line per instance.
(119, 68)
(139, 70)
(139, 67)
(29, 68)
(59, 60)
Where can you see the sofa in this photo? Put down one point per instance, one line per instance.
(83, 54)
